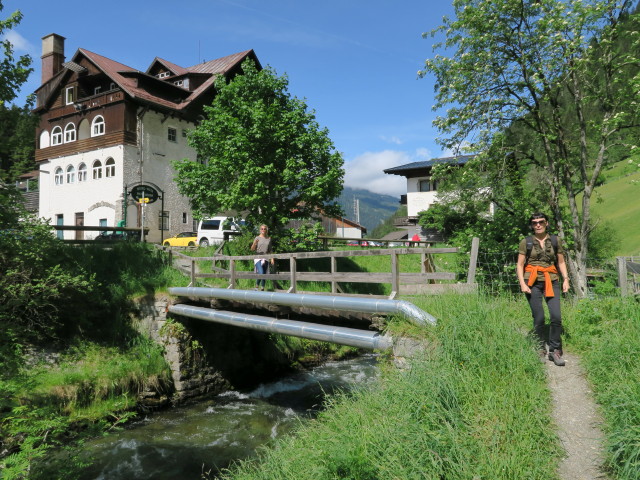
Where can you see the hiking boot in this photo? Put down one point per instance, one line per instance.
(543, 355)
(556, 357)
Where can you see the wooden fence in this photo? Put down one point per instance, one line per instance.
(424, 281)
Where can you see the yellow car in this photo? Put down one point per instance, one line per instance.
(184, 239)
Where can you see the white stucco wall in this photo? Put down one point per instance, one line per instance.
(418, 201)
(103, 198)
(96, 198)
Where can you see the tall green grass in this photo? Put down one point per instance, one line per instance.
(606, 333)
(474, 404)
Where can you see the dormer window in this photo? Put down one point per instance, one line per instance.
(97, 90)
(164, 74)
(70, 95)
(179, 83)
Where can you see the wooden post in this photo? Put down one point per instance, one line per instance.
(473, 260)
(292, 268)
(232, 273)
(622, 276)
(334, 269)
(395, 274)
(193, 273)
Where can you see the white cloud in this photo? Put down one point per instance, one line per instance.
(20, 44)
(366, 171)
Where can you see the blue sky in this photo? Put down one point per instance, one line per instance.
(355, 62)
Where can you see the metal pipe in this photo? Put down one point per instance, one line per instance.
(313, 331)
(349, 304)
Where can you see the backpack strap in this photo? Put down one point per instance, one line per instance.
(529, 240)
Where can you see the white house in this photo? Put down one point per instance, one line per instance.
(106, 128)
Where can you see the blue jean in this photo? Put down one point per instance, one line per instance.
(262, 267)
(537, 311)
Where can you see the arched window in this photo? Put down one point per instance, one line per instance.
(97, 126)
(84, 129)
(71, 174)
(44, 139)
(58, 176)
(69, 133)
(56, 136)
(110, 167)
(82, 173)
(97, 170)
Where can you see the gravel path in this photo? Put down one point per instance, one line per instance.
(578, 420)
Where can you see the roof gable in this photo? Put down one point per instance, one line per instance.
(423, 167)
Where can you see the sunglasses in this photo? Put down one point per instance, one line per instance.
(538, 222)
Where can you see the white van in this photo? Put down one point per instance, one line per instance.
(212, 230)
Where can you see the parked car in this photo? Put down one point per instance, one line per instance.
(117, 236)
(184, 239)
(212, 230)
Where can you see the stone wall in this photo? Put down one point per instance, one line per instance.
(207, 358)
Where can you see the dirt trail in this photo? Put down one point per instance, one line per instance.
(578, 420)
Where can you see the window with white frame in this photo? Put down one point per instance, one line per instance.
(97, 126)
(82, 173)
(97, 90)
(56, 136)
(163, 74)
(172, 134)
(112, 86)
(97, 170)
(110, 167)
(70, 95)
(71, 174)
(58, 176)
(69, 133)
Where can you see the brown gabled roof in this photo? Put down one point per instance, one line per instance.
(176, 69)
(220, 66)
(130, 79)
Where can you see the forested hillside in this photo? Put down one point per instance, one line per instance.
(374, 207)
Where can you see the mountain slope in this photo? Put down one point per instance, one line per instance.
(374, 207)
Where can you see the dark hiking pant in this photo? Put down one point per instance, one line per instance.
(537, 311)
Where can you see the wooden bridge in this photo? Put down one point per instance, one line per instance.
(428, 280)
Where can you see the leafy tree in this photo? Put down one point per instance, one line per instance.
(17, 127)
(263, 155)
(555, 67)
(13, 73)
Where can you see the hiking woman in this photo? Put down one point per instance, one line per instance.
(262, 245)
(540, 264)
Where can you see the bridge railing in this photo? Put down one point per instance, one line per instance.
(401, 282)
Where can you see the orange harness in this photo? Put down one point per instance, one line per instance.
(533, 269)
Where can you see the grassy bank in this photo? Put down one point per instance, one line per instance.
(474, 405)
(606, 333)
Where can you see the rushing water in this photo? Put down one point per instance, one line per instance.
(181, 443)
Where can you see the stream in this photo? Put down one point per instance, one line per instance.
(182, 443)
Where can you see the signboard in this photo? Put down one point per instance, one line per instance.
(145, 193)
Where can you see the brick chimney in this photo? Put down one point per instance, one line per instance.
(52, 55)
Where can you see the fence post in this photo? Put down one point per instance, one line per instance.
(622, 276)
(193, 273)
(395, 277)
(232, 273)
(473, 260)
(334, 268)
(292, 268)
